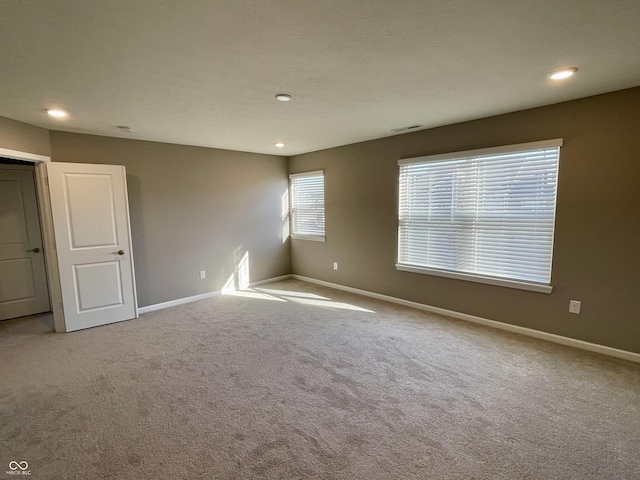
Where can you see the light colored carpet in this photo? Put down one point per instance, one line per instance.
(295, 380)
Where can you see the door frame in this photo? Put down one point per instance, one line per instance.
(46, 226)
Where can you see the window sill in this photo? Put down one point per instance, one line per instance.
(312, 238)
(500, 282)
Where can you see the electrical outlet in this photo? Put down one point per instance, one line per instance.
(574, 306)
(203, 274)
(335, 265)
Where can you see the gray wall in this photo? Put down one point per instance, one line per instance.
(24, 137)
(597, 242)
(192, 209)
(197, 208)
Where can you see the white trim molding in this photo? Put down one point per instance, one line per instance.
(29, 157)
(202, 296)
(550, 337)
(50, 253)
(472, 277)
(177, 301)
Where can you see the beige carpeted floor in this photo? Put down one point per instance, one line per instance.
(295, 381)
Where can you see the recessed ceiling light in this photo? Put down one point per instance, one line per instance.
(283, 97)
(279, 144)
(125, 128)
(56, 112)
(563, 73)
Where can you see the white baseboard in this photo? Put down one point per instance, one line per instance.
(571, 342)
(178, 301)
(203, 296)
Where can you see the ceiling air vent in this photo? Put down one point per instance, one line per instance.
(404, 129)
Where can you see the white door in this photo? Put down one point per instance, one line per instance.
(23, 280)
(90, 214)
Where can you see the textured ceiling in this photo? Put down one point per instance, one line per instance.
(206, 72)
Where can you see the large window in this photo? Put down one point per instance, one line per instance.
(307, 206)
(485, 215)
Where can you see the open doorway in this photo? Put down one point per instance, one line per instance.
(38, 164)
(23, 277)
(88, 255)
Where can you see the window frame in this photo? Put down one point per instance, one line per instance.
(299, 236)
(474, 277)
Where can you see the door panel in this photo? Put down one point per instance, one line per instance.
(23, 282)
(99, 285)
(19, 272)
(90, 203)
(14, 225)
(91, 224)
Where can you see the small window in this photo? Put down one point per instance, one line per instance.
(486, 215)
(307, 206)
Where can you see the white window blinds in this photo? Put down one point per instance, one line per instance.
(307, 205)
(489, 212)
